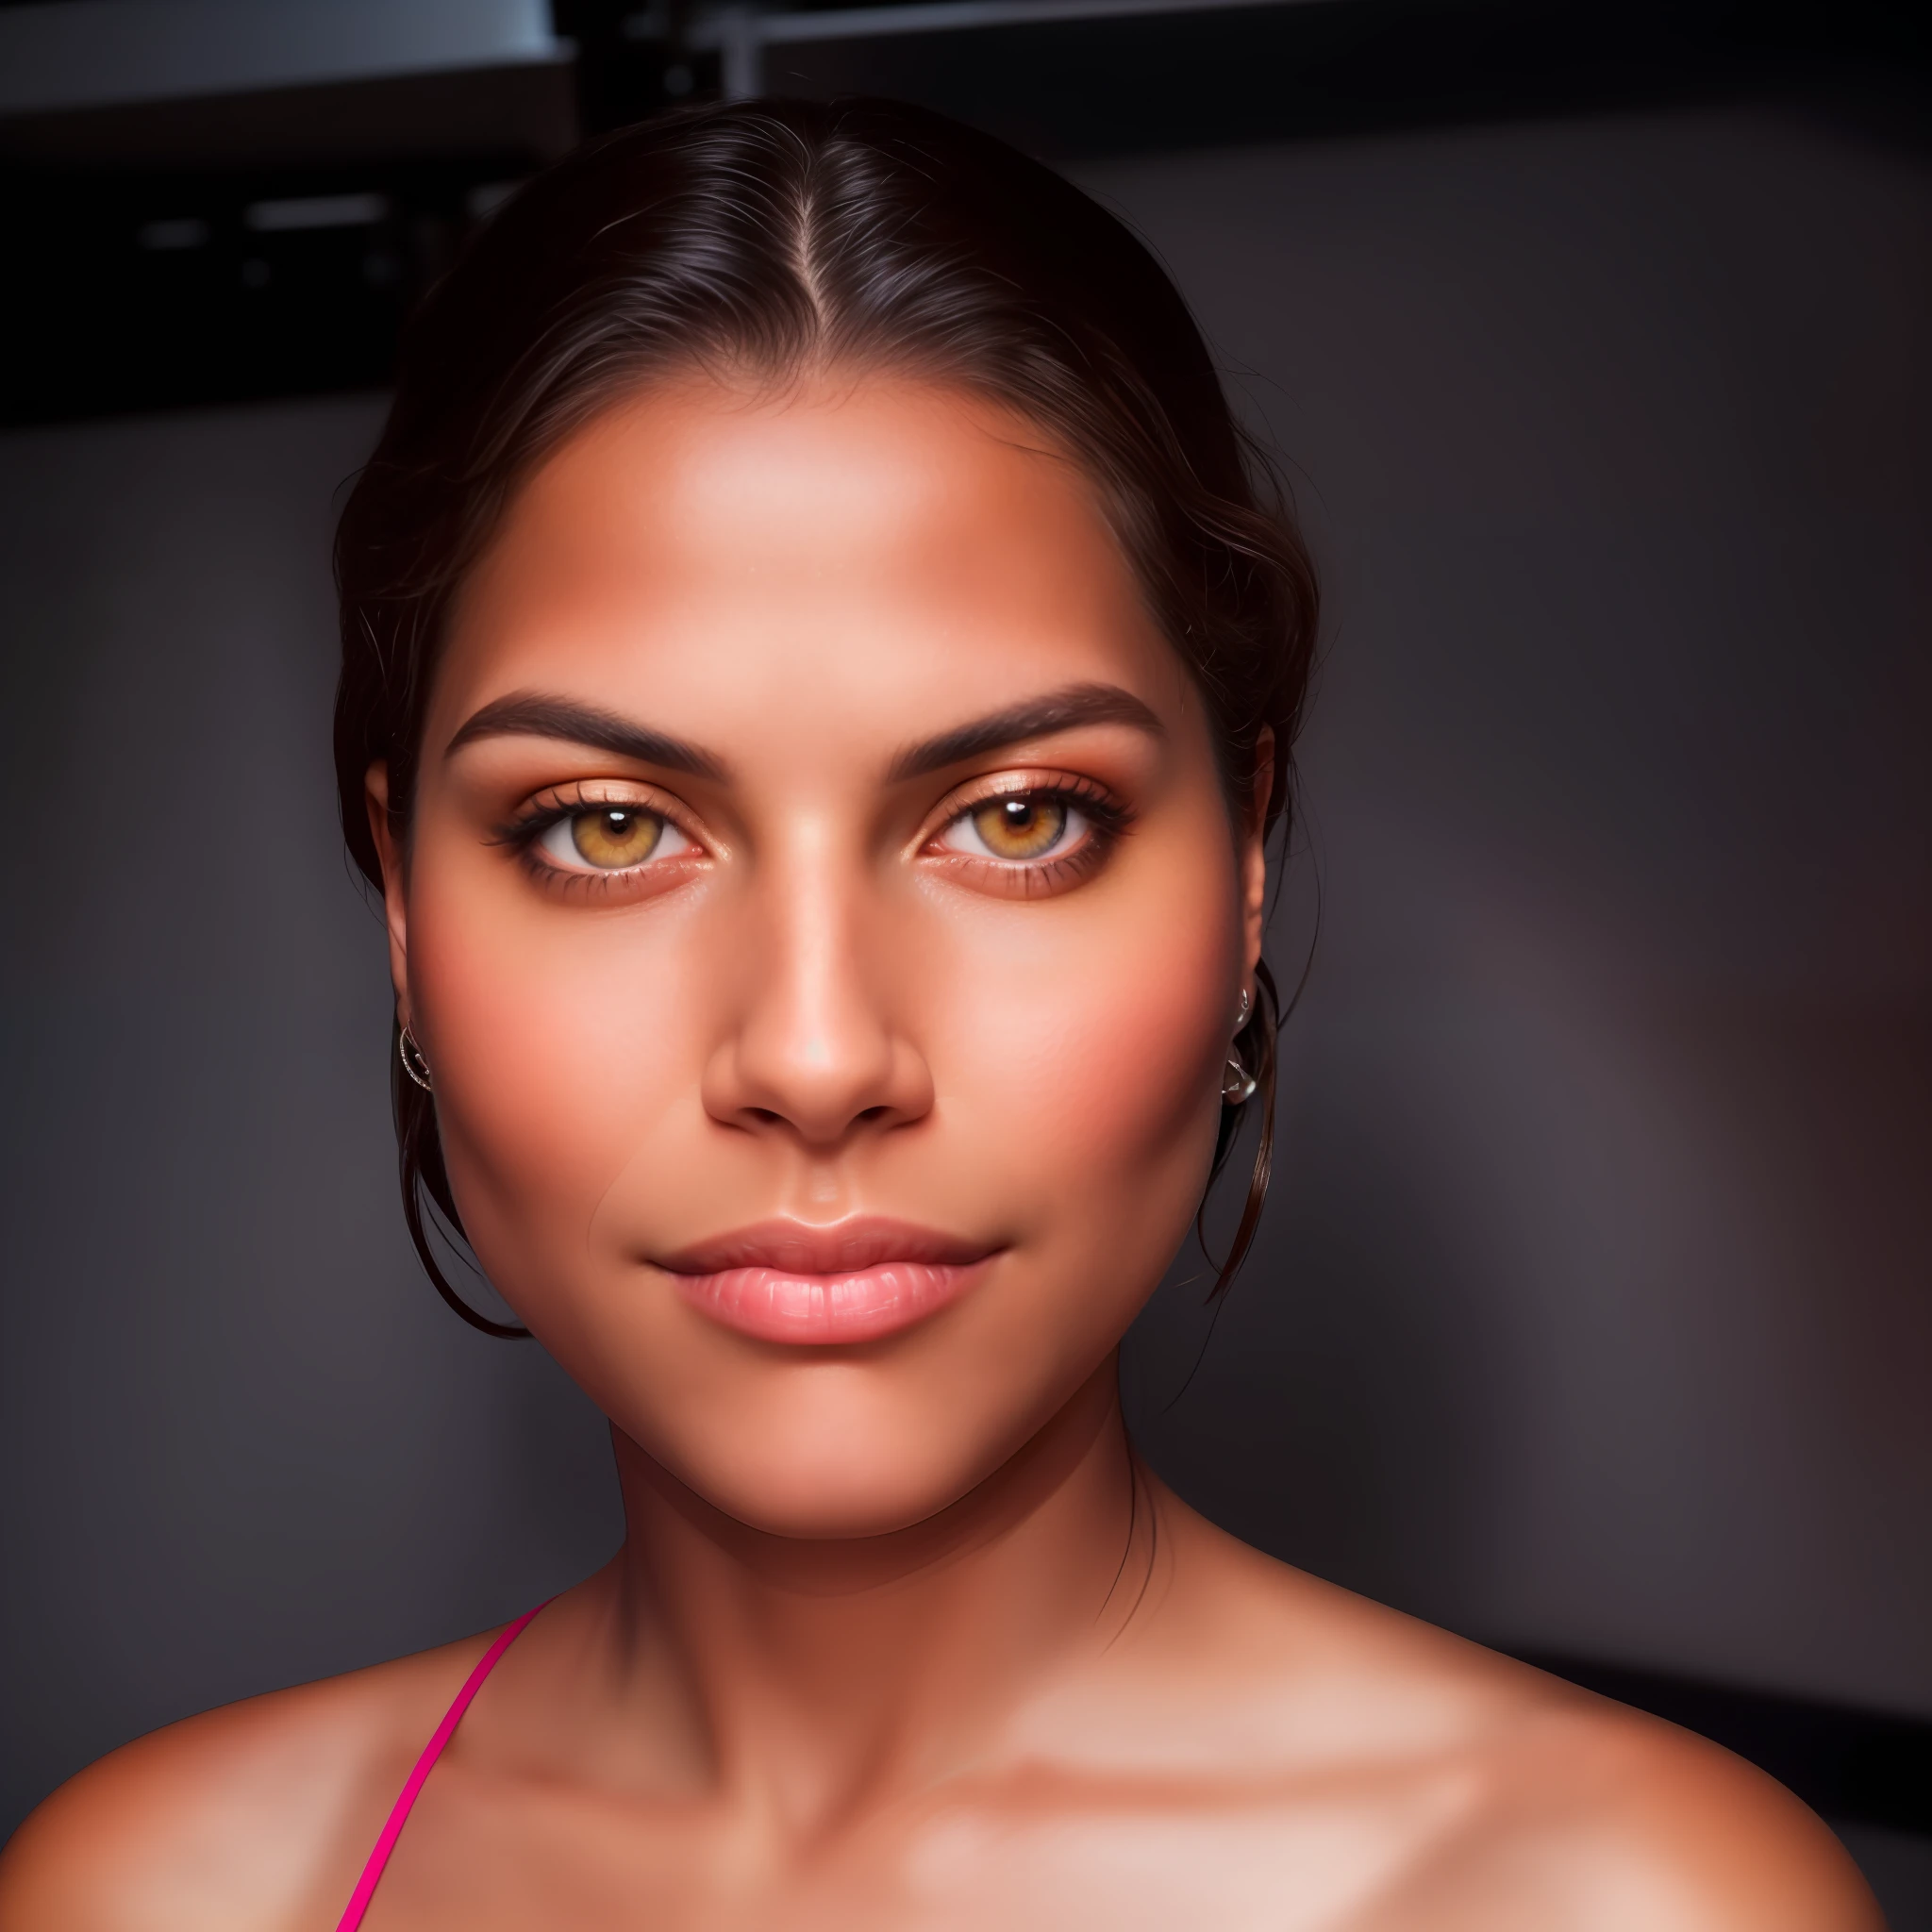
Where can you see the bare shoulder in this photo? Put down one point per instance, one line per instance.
(1588, 1814)
(255, 1815)
(1535, 1803)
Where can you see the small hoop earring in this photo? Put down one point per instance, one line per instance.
(1241, 1012)
(413, 1063)
(1236, 1084)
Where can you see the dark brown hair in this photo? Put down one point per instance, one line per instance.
(763, 239)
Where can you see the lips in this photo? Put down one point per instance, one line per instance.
(852, 1282)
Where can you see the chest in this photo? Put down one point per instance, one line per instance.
(1159, 1858)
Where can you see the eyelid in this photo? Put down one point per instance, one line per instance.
(552, 802)
(584, 793)
(550, 805)
(1099, 801)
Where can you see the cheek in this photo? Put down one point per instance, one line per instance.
(1086, 1044)
(558, 1052)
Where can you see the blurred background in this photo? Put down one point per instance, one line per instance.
(1592, 1314)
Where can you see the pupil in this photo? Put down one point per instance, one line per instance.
(1018, 813)
(617, 823)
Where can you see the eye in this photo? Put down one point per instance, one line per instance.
(609, 838)
(1020, 828)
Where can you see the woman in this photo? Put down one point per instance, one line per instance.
(819, 675)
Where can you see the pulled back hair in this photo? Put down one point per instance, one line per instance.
(766, 239)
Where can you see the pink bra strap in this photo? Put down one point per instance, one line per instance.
(399, 1812)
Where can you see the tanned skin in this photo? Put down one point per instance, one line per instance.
(899, 1637)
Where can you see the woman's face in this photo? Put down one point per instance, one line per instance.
(824, 925)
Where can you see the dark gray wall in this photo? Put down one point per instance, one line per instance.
(1592, 1312)
(244, 1443)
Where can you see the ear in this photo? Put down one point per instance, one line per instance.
(1254, 854)
(394, 905)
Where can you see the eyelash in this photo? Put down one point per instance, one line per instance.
(523, 834)
(1108, 819)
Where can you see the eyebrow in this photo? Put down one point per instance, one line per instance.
(1058, 710)
(536, 714)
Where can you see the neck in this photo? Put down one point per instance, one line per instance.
(819, 1674)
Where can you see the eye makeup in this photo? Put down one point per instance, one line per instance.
(1019, 834)
(597, 837)
(1029, 834)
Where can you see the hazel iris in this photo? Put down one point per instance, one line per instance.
(615, 836)
(1021, 827)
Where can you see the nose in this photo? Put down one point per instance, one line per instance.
(816, 1051)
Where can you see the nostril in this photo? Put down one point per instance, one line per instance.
(766, 1115)
(873, 1113)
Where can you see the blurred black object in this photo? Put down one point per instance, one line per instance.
(1066, 77)
(149, 291)
(172, 252)
(1867, 1766)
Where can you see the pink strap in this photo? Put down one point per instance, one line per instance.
(399, 1812)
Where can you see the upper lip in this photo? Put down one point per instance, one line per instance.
(839, 1247)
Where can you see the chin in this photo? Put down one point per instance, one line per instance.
(837, 1519)
(826, 1488)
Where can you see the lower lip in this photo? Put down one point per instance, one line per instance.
(780, 1305)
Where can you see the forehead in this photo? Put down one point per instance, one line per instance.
(856, 553)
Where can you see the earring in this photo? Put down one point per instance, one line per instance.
(413, 1063)
(1237, 1083)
